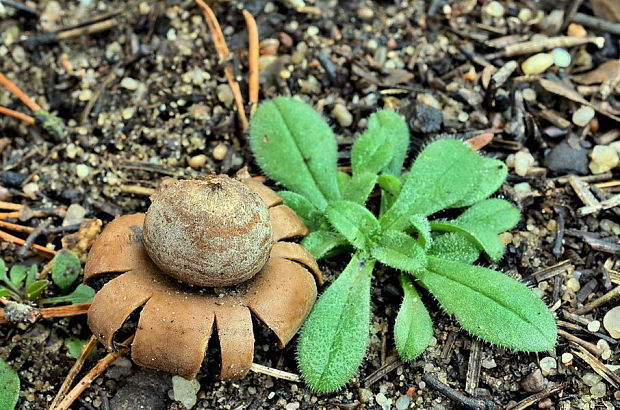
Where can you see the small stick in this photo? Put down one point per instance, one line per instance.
(588, 178)
(75, 369)
(41, 250)
(382, 371)
(21, 7)
(591, 21)
(582, 191)
(605, 204)
(536, 46)
(224, 55)
(16, 227)
(18, 115)
(95, 372)
(64, 311)
(458, 398)
(137, 190)
(10, 206)
(559, 237)
(598, 366)
(535, 398)
(586, 345)
(607, 297)
(279, 374)
(16, 91)
(253, 52)
(33, 237)
(569, 13)
(473, 367)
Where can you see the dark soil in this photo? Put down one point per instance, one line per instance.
(142, 98)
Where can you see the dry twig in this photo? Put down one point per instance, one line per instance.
(253, 51)
(17, 115)
(41, 250)
(278, 374)
(16, 91)
(224, 55)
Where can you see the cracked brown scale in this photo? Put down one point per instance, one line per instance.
(177, 322)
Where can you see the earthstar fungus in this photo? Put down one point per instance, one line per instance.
(239, 225)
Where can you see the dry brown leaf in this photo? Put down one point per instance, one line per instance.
(563, 91)
(608, 71)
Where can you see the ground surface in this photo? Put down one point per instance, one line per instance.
(143, 98)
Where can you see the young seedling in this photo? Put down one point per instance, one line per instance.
(20, 283)
(295, 147)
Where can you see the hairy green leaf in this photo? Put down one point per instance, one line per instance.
(75, 347)
(490, 305)
(390, 184)
(443, 174)
(334, 338)
(356, 223)
(81, 294)
(421, 225)
(294, 146)
(31, 275)
(9, 386)
(371, 152)
(413, 328)
(494, 174)
(398, 132)
(66, 268)
(497, 215)
(312, 217)
(454, 246)
(359, 187)
(17, 275)
(321, 243)
(34, 290)
(400, 251)
(484, 239)
(4, 292)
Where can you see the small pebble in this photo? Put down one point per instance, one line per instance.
(548, 365)
(365, 396)
(383, 401)
(583, 115)
(525, 15)
(561, 57)
(74, 216)
(85, 95)
(537, 64)
(603, 159)
(493, 9)
(184, 391)
(220, 151)
(533, 382)
(598, 390)
(611, 322)
(590, 379)
(523, 162)
(269, 46)
(594, 326)
(403, 402)
(197, 161)
(224, 94)
(129, 84)
(567, 358)
(365, 13)
(576, 30)
(529, 94)
(31, 190)
(292, 406)
(82, 170)
(343, 115)
(573, 284)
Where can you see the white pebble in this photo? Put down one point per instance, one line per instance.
(590, 379)
(523, 162)
(573, 284)
(74, 216)
(529, 94)
(343, 115)
(184, 391)
(611, 321)
(82, 170)
(402, 402)
(130, 84)
(85, 95)
(383, 401)
(594, 326)
(604, 158)
(583, 115)
(224, 94)
(561, 57)
(537, 64)
(548, 365)
(567, 358)
(493, 9)
(598, 390)
(220, 151)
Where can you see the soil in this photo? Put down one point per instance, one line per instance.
(144, 97)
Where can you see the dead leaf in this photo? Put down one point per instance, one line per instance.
(608, 71)
(563, 91)
(607, 9)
